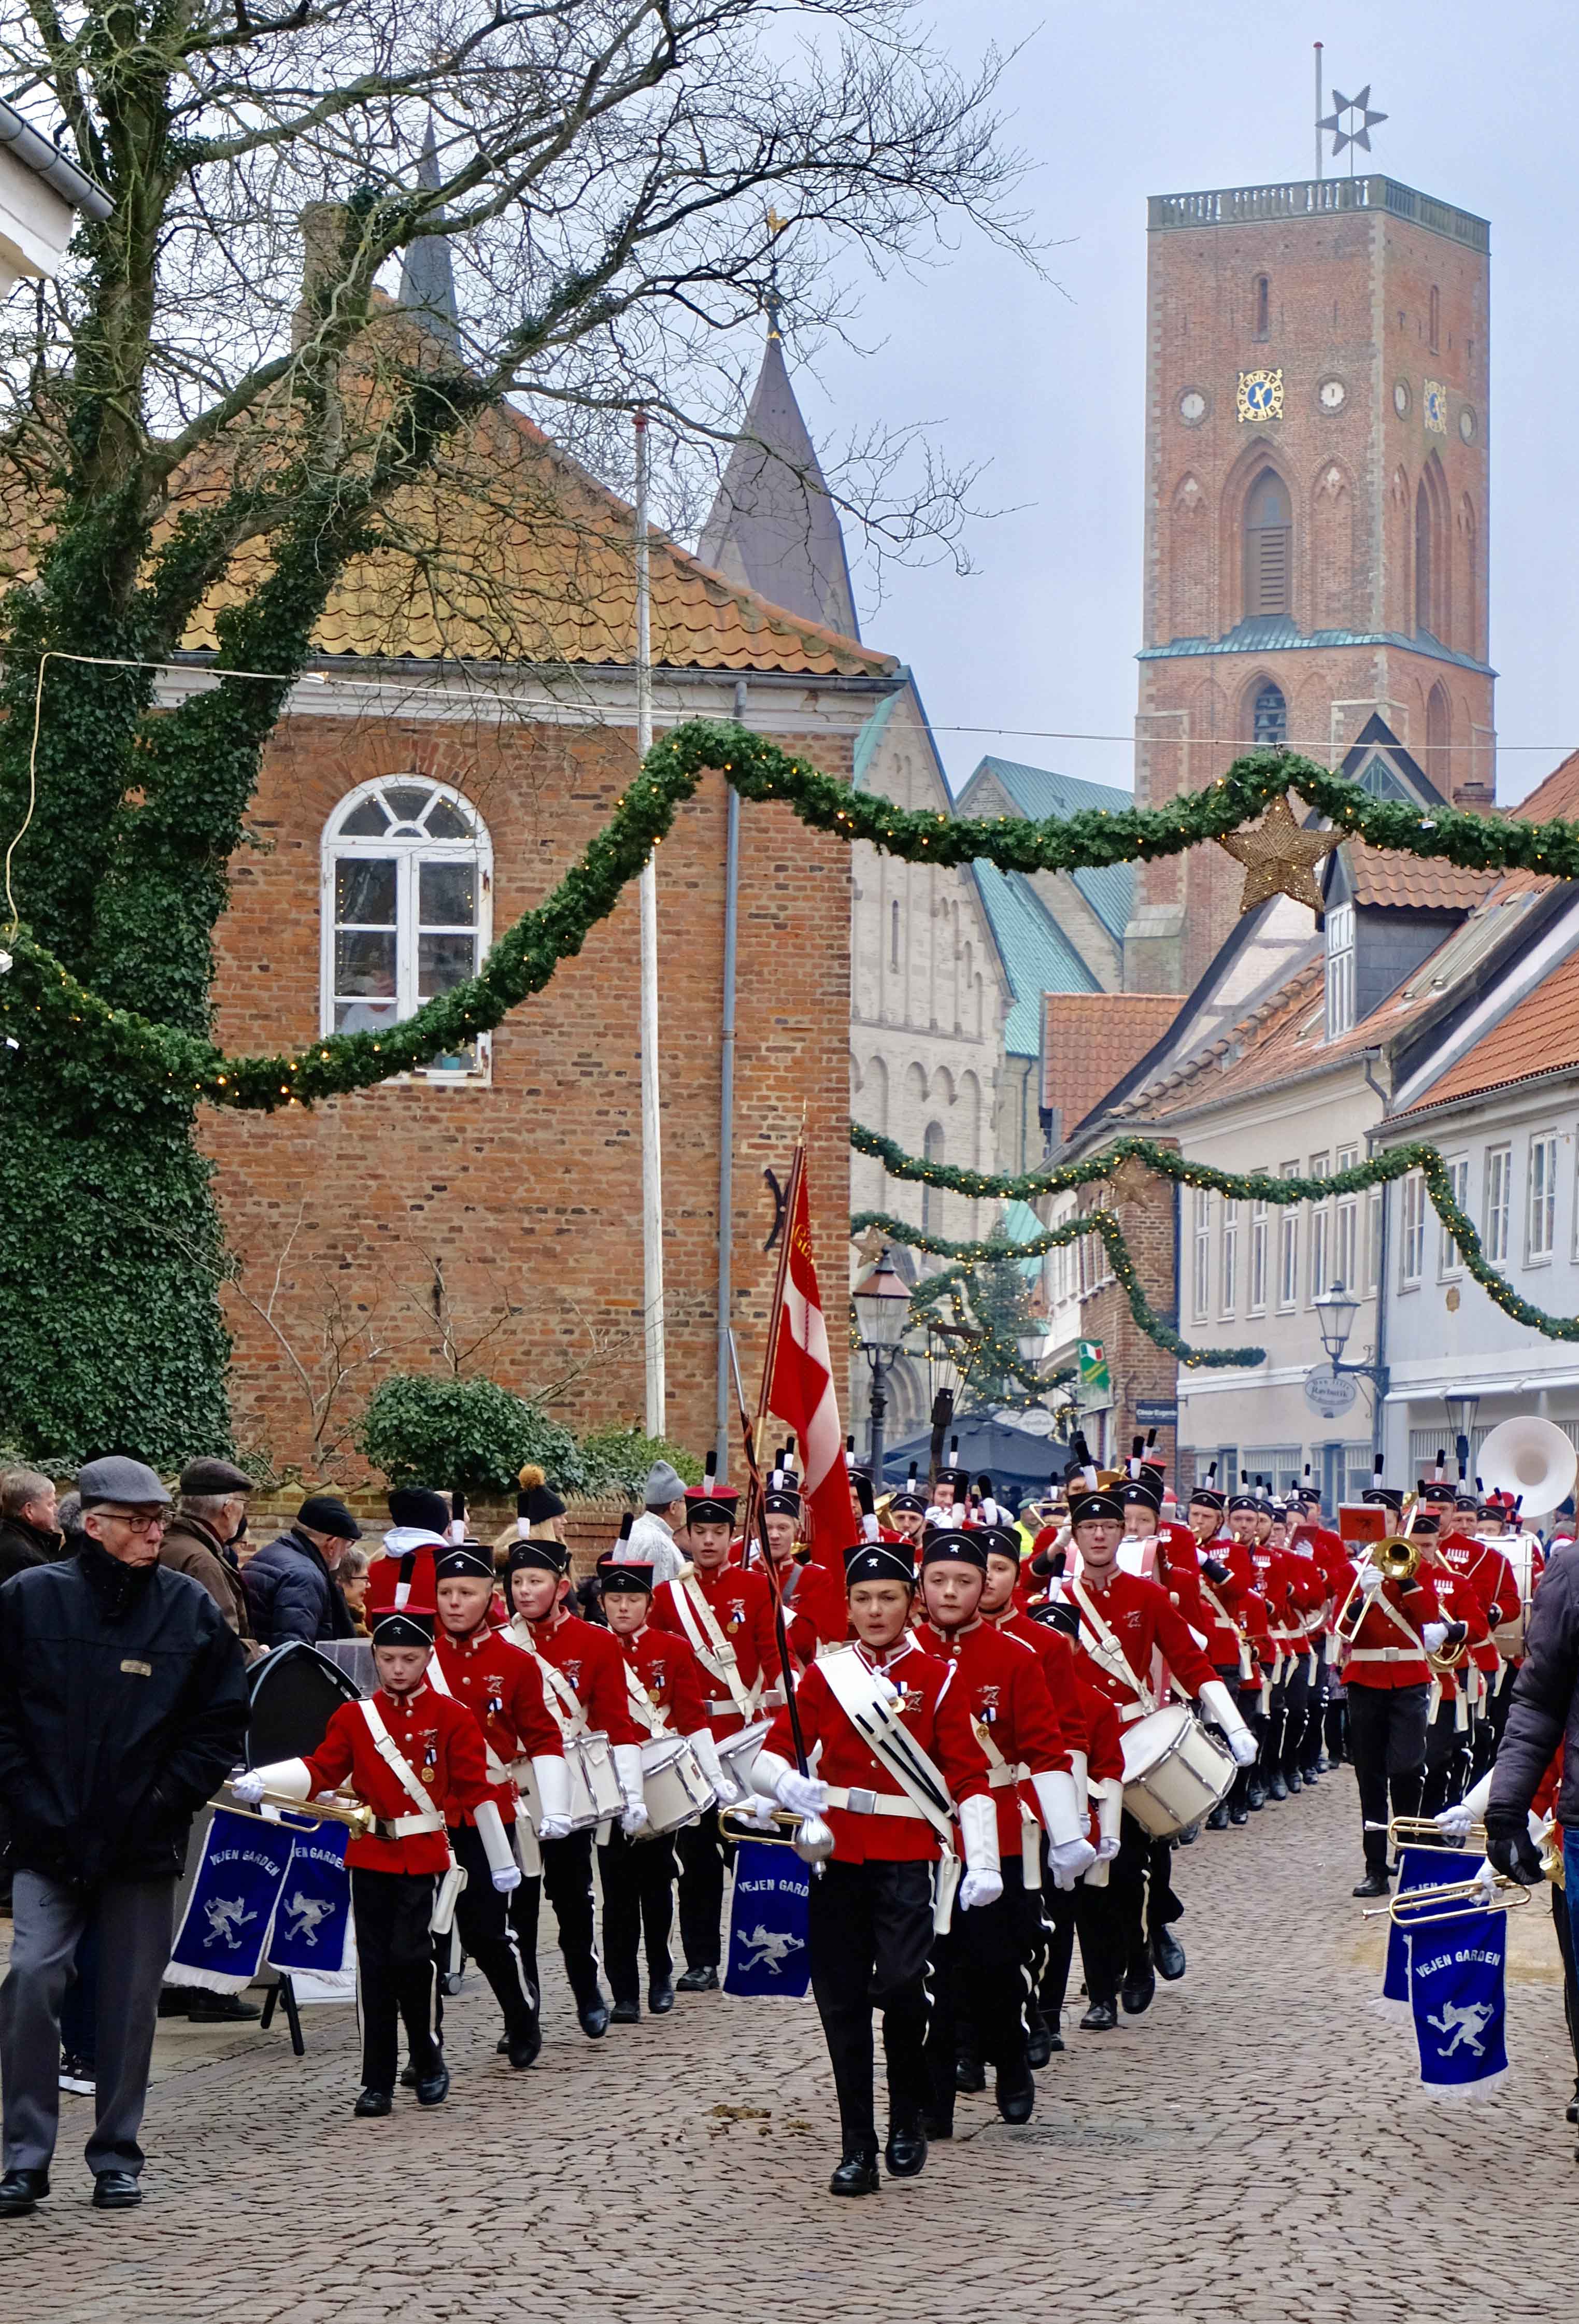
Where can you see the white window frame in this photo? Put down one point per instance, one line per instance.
(410, 852)
(1287, 1246)
(1339, 970)
(1499, 1175)
(1321, 1233)
(1411, 1240)
(1450, 1262)
(1228, 1279)
(1375, 1223)
(1201, 1274)
(1346, 1225)
(1540, 1199)
(1258, 1258)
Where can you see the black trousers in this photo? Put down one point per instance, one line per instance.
(396, 1981)
(1387, 1742)
(1089, 1913)
(1296, 1711)
(1316, 1713)
(870, 1937)
(490, 1928)
(1139, 1881)
(1563, 1921)
(567, 1882)
(1446, 1760)
(638, 1904)
(982, 1979)
(1269, 1729)
(703, 1855)
(1247, 1699)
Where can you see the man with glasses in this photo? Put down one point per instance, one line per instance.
(122, 1705)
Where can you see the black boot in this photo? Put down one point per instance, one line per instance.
(373, 2102)
(1038, 2048)
(1277, 1789)
(1374, 1883)
(1100, 2018)
(699, 1981)
(857, 2173)
(1139, 1987)
(969, 2073)
(906, 2152)
(1014, 2089)
(1169, 1955)
(1218, 1818)
(1255, 1797)
(19, 2191)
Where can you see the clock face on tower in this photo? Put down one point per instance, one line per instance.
(1331, 394)
(1434, 405)
(1400, 397)
(1192, 407)
(1466, 424)
(1260, 395)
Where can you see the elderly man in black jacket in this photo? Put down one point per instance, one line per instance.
(291, 1588)
(123, 1704)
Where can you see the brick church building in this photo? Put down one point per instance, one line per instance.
(1316, 461)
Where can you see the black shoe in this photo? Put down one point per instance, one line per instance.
(1255, 1799)
(697, 1980)
(1295, 1781)
(206, 2008)
(906, 2152)
(1277, 1789)
(434, 2089)
(1043, 2041)
(1218, 1818)
(594, 2017)
(1323, 1765)
(659, 1999)
(857, 2173)
(969, 2073)
(1573, 2110)
(1240, 1813)
(522, 2049)
(1307, 1776)
(1169, 1955)
(372, 2102)
(409, 2076)
(1014, 2090)
(1100, 2018)
(172, 2001)
(1137, 1992)
(1188, 1836)
(19, 2191)
(1373, 1885)
(116, 2190)
(623, 2013)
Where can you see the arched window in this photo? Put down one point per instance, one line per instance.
(1270, 718)
(1267, 543)
(406, 907)
(932, 1196)
(893, 933)
(1439, 739)
(1435, 319)
(1262, 303)
(1425, 559)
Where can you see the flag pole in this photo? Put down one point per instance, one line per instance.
(755, 1503)
(775, 1316)
(651, 1140)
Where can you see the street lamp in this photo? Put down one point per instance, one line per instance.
(883, 1306)
(1461, 1419)
(1336, 1310)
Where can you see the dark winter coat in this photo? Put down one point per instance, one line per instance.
(24, 1546)
(192, 1547)
(123, 1707)
(292, 1595)
(1544, 1707)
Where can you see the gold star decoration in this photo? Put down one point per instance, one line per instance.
(1279, 859)
(871, 1247)
(1132, 1182)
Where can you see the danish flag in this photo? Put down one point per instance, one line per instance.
(802, 1394)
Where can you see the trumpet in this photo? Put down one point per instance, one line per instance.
(1425, 1831)
(341, 1809)
(1422, 1908)
(808, 1836)
(1396, 1559)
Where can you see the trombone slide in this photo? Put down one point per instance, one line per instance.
(1423, 1908)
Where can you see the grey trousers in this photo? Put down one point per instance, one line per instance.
(136, 1925)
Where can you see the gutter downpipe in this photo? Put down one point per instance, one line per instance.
(1379, 1387)
(721, 1432)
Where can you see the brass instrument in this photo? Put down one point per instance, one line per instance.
(362, 1819)
(1422, 1908)
(1425, 1831)
(808, 1836)
(1397, 1559)
(1551, 1853)
(1443, 1659)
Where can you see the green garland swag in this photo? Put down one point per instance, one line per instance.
(1379, 1170)
(39, 999)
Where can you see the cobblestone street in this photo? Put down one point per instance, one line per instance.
(1256, 2148)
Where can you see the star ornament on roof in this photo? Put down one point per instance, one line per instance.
(1279, 859)
(1360, 120)
(1132, 1182)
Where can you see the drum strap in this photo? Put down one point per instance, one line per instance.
(697, 1617)
(559, 1695)
(643, 1710)
(855, 1688)
(1105, 1650)
(1246, 1660)
(1000, 1777)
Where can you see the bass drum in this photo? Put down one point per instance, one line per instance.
(292, 1695)
(1174, 1771)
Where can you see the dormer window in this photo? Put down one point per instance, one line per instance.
(1339, 969)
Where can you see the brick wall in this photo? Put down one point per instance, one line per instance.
(527, 1192)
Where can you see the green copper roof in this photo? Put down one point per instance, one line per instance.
(1037, 956)
(1039, 792)
(1275, 633)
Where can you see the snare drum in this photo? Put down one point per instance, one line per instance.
(673, 1785)
(1176, 1771)
(737, 1753)
(595, 1788)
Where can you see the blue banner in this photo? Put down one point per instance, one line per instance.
(1419, 1868)
(231, 1909)
(1457, 1996)
(767, 1923)
(312, 1925)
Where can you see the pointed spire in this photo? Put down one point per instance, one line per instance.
(427, 273)
(773, 525)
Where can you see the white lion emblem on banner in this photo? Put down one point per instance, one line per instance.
(304, 1915)
(1466, 2025)
(769, 1949)
(227, 1916)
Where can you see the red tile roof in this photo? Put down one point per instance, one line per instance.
(1539, 1035)
(1423, 884)
(1090, 1040)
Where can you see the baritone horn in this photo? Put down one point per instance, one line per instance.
(808, 1836)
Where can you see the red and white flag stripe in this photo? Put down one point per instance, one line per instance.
(803, 1394)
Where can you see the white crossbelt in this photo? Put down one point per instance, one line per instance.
(1110, 1656)
(690, 1603)
(399, 1767)
(858, 1802)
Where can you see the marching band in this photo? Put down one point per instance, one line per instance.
(990, 1741)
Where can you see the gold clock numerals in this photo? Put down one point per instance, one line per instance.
(1260, 395)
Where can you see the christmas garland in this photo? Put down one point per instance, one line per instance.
(39, 999)
(1379, 1170)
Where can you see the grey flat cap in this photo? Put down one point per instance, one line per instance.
(663, 1485)
(204, 1477)
(118, 1478)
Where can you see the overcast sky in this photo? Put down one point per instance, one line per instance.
(1135, 97)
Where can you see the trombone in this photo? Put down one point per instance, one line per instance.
(1422, 1908)
(808, 1836)
(1425, 1831)
(1396, 1559)
(341, 1809)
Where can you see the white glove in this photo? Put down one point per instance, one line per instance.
(1110, 1811)
(248, 1788)
(725, 1790)
(1244, 1746)
(806, 1795)
(634, 1819)
(627, 1758)
(979, 1888)
(498, 1847)
(1453, 1822)
(1370, 1577)
(552, 1777)
(291, 1777)
(1432, 1635)
(1223, 1711)
(1107, 1848)
(1069, 1859)
(554, 1828)
(505, 1876)
(1057, 1798)
(759, 1811)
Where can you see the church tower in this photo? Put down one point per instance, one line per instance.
(1316, 431)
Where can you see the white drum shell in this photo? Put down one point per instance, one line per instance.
(1174, 1771)
(673, 1785)
(595, 1787)
(737, 1753)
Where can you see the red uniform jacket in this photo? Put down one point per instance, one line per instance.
(1308, 1586)
(1222, 1636)
(1460, 1598)
(443, 1745)
(742, 1605)
(503, 1691)
(937, 1713)
(1144, 1621)
(589, 1656)
(1493, 1577)
(1009, 1699)
(1381, 1655)
(671, 1678)
(1274, 1570)
(817, 1611)
(1326, 1548)
(1060, 1666)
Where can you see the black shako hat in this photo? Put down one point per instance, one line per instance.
(403, 1629)
(879, 1561)
(1098, 1502)
(464, 1561)
(997, 1541)
(1140, 1493)
(412, 1505)
(616, 1575)
(545, 1557)
(954, 1546)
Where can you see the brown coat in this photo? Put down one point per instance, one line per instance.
(192, 1547)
